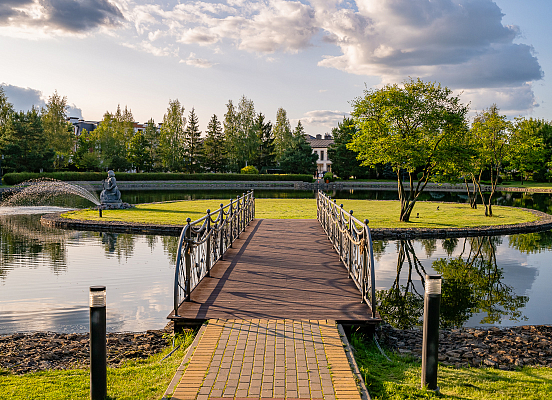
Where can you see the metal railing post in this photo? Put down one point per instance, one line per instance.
(340, 227)
(188, 261)
(351, 232)
(221, 220)
(238, 216)
(231, 216)
(208, 245)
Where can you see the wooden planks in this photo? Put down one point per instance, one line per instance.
(278, 269)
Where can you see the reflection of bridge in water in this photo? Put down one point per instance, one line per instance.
(277, 269)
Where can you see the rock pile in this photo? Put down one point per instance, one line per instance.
(29, 352)
(505, 348)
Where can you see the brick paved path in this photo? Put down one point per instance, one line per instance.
(272, 359)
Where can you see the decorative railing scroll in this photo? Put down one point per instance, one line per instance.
(203, 242)
(352, 241)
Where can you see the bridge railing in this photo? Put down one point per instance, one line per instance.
(203, 242)
(352, 241)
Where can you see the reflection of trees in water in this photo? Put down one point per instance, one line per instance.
(378, 247)
(472, 283)
(531, 243)
(119, 244)
(23, 237)
(170, 247)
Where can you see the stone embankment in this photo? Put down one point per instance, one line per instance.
(29, 352)
(503, 348)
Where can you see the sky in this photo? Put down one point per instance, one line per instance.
(310, 57)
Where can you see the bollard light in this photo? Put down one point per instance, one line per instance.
(430, 345)
(98, 344)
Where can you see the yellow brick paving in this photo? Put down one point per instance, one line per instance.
(278, 359)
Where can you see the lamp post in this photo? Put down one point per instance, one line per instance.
(98, 346)
(430, 346)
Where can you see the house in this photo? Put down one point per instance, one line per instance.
(320, 147)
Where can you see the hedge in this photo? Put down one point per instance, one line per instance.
(14, 178)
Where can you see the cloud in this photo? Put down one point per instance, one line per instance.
(197, 62)
(23, 99)
(62, 16)
(462, 44)
(323, 117)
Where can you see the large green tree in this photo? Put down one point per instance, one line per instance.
(231, 135)
(416, 128)
(214, 147)
(86, 157)
(490, 133)
(113, 136)
(527, 148)
(344, 161)
(6, 108)
(298, 158)
(151, 134)
(172, 137)
(139, 152)
(57, 130)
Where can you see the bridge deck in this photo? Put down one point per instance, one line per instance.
(278, 269)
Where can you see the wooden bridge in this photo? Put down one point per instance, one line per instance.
(277, 269)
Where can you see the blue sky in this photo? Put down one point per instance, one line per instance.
(309, 57)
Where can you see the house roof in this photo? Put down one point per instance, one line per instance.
(319, 142)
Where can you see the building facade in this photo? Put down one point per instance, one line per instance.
(320, 146)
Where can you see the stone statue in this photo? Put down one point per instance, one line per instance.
(110, 193)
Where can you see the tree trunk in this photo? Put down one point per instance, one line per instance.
(472, 197)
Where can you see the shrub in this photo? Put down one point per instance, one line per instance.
(15, 178)
(328, 176)
(250, 170)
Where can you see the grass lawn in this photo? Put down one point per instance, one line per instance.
(134, 380)
(381, 214)
(400, 378)
(527, 184)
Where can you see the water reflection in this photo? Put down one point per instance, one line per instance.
(45, 274)
(482, 282)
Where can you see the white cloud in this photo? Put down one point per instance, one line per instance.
(327, 118)
(197, 62)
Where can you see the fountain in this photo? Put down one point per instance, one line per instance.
(39, 195)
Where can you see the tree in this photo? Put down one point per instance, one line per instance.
(6, 108)
(415, 128)
(58, 131)
(299, 157)
(139, 152)
(151, 134)
(86, 158)
(265, 152)
(527, 152)
(23, 144)
(282, 134)
(112, 137)
(214, 147)
(192, 144)
(172, 137)
(344, 161)
(490, 132)
(231, 136)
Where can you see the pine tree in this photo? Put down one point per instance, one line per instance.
(214, 147)
(151, 133)
(191, 150)
(298, 158)
(265, 153)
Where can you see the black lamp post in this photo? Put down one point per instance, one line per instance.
(98, 344)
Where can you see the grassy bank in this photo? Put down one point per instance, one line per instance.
(381, 214)
(400, 378)
(134, 380)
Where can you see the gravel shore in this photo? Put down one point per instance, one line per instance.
(503, 348)
(29, 352)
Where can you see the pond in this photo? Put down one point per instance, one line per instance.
(45, 273)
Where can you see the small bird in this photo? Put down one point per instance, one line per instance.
(437, 208)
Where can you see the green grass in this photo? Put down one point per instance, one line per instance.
(134, 380)
(381, 214)
(400, 378)
(527, 184)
